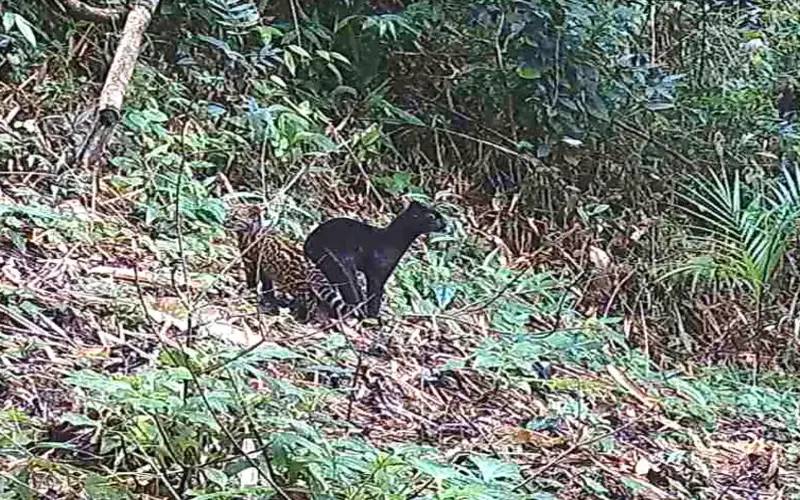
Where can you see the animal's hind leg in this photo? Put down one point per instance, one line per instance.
(342, 277)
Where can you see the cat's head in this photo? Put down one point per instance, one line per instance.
(422, 219)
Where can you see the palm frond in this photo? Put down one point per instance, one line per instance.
(742, 238)
(787, 193)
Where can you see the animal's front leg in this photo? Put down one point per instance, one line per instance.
(251, 276)
(301, 307)
(375, 285)
(268, 302)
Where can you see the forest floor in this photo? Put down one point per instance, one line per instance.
(133, 363)
(571, 409)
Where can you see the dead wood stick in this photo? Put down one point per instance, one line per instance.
(80, 10)
(109, 107)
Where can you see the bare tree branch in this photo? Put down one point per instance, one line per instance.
(80, 10)
(119, 75)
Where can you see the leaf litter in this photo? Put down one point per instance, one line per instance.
(79, 306)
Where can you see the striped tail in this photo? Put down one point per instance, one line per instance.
(330, 297)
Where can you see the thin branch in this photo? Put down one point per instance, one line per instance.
(83, 12)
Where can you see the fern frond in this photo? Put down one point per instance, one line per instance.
(234, 14)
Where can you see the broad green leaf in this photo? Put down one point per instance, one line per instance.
(492, 469)
(528, 73)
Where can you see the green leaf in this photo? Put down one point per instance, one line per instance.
(78, 420)
(300, 51)
(528, 73)
(409, 118)
(216, 476)
(322, 141)
(444, 295)
(30, 308)
(25, 29)
(103, 488)
(8, 20)
(288, 61)
(181, 373)
(436, 471)
(340, 57)
(278, 81)
(492, 469)
(660, 106)
(155, 115)
(749, 238)
(594, 486)
(277, 352)
(88, 379)
(343, 89)
(634, 484)
(333, 69)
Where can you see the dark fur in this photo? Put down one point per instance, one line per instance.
(787, 103)
(342, 247)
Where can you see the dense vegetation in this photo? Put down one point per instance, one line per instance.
(612, 313)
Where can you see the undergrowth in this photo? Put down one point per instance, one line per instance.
(133, 363)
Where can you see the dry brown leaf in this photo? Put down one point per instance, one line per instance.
(572, 160)
(249, 477)
(638, 232)
(525, 436)
(209, 321)
(599, 257)
(37, 235)
(627, 326)
(93, 352)
(213, 322)
(168, 311)
(643, 467)
(77, 210)
(11, 273)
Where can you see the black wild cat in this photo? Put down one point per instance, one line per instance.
(341, 247)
